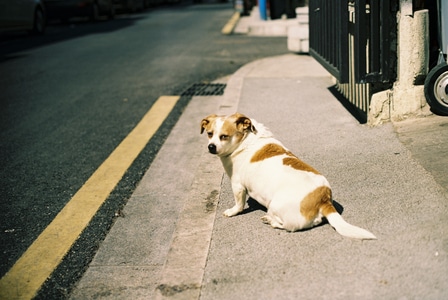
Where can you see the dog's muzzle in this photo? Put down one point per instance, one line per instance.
(212, 148)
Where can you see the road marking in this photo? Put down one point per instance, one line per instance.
(228, 28)
(26, 277)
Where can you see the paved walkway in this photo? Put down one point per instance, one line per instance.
(174, 243)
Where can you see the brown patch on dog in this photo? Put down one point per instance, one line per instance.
(229, 128)
(243, 123)
(268, 150)
(207, 121)
(240, 122)
(297, 164)
(317, 201)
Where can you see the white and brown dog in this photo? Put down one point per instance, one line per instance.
(295, 194)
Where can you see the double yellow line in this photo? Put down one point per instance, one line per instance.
(28, 274)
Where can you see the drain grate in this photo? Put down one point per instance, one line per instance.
(205, 89)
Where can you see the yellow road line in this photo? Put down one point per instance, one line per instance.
(228, 28)
(28, 274)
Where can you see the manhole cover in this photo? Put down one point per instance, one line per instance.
(205, 89)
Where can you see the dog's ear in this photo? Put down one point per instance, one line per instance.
(206, 121)
(243, 123)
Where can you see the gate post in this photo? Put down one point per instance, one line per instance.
(406, 97)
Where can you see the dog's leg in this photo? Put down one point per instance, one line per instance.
(317, 220)
(268, 219)
(239, 193)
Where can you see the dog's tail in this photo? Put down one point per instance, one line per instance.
(346, 229)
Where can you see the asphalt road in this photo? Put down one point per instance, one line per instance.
(70, 97)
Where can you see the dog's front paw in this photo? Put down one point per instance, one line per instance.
(266, 219)
(230, 212)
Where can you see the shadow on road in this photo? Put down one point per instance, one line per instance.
(13, 44)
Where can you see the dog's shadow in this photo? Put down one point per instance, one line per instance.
(253, 205)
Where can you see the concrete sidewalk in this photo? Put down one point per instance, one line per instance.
(174, 243)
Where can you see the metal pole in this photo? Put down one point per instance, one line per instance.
(262, 7)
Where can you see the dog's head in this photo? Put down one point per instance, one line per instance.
(225, 133)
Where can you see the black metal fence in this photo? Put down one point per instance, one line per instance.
(328, 22)
(355, 40)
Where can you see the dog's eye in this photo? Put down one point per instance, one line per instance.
(223, 137)
(210, 134)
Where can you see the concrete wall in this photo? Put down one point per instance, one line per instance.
(406, 98)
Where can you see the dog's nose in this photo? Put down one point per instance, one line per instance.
(212, 148)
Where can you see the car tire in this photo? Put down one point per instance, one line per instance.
(39, 22)
(436, 89)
